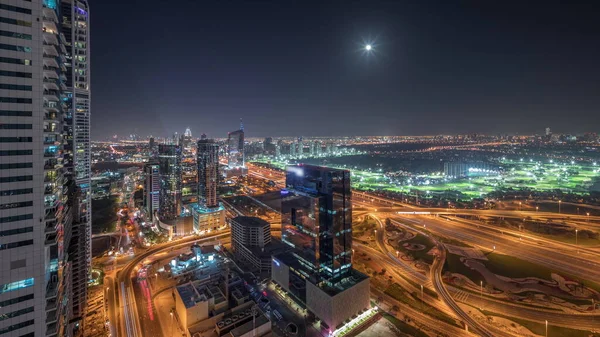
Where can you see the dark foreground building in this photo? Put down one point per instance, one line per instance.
(316, 222)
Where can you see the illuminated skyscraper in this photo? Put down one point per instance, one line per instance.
(44, 168)
(235, 148)
(207, 212)
(75, 28)
(169, 160)
(316, 221)
(152, 189)
(208, 170)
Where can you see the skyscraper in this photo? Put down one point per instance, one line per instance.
(44, 214)
(300, 149)
(152, 189)
(75, 29)
(207, 212)
(208, 170)
(169, 161)
(235, 149)
(316, 221)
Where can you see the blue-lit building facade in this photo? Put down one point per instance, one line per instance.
(316, 221)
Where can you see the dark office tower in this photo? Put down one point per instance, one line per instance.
(316, 219)
(268, 145)
(235, 149)
(151, 143)
(208, 170)
(169, 161)
(203, 136)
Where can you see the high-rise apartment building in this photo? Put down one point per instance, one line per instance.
(208, 170)
(169, 161)
(235, 149)
(300, 148)
(316, 221)
(208, 214)
(152, 190)
(43, 169)
(74, 15)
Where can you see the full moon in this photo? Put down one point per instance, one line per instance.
(368, 47)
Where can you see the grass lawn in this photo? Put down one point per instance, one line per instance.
(454, 265)
(418, 254)
(399, 294)
(540, 328)
(404, 327)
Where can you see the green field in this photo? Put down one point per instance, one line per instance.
(539, 176)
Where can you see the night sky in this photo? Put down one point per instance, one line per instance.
(292, 68)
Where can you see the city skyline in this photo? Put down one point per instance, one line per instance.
(435, 68)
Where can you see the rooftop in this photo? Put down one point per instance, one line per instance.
(191, 294)
(250, 221)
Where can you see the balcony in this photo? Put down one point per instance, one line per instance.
(52, 288)
(50, 51)
(50, 37)
(51, 116)
(50, 61)
(51, 72)
(51, 239)
(51, 316)
(52, 95)
(50, 304)
(51, 83)
(51, 330)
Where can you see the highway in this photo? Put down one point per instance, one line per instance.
(123, 309)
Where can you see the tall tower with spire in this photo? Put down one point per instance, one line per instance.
(241, 125)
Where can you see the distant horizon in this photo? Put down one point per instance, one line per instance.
(121, 137)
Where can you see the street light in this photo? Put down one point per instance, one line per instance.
(422, 297)
(559, 202)
(368, 47)
(537, 208)
(546, 328)
(576, 231)
(171, 313)
(480, 293)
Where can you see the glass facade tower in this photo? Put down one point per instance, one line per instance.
(169, 161)
(317, 220)
(208, 171)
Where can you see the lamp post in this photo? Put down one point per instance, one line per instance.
(559, 202)
(588, 216)
(422, 303)
(171, 313)
(537, 208)
(576, 243)
(546, 328)
(254, 312)
(480, 294)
